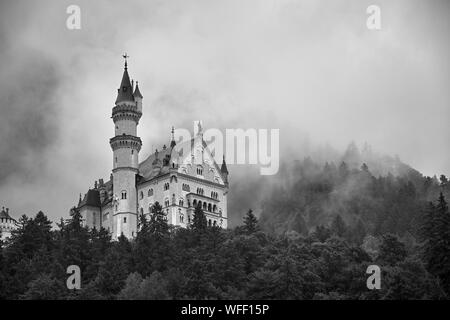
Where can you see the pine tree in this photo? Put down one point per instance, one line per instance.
(358, 232)
(442, 233)
(250, 222)
(199, 222)
(158, 222)
(392, 251)
(338, 226)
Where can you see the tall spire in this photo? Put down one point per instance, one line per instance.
(125, 92)
(173, 143)
(224, 166)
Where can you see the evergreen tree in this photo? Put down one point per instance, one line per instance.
(392, 250)
(250, 223)
(436, 233)
(338, 226)
(199, 222)
(158, 222)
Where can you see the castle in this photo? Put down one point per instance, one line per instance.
(179, 177)
(7, 224)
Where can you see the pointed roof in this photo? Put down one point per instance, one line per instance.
(137, 93)
(173, 143)
(125, 92)
(224, 169)
(91, 198)
(4, 214)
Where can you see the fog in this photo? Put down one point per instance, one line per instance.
(309, 68)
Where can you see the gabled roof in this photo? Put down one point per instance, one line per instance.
(154, 165)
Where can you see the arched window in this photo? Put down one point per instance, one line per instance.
(204, 206)
(181, 202)
(209, 207)
(181, 216)
(166, 202)
(166, 186)
(141, 195)
(214, 208)
(124, 195)
(199, 170)
(209, 222)
(195, 203)
(150, 192)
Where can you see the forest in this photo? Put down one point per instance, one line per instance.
(313, 240)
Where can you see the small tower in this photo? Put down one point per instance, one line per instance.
(172, 142)
(126, 146)
(224, 171)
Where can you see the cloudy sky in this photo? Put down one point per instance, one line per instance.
(310, 68)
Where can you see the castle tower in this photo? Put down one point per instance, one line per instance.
(126, 146)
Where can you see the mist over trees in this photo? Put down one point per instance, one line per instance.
(321, 225)
(370, 193)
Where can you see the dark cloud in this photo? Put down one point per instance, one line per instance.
(310, 68)
(29, 112)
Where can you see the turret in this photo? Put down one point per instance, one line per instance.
(224, 171)
(126, 146)
(138, 97)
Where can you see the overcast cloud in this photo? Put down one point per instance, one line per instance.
(310, 68)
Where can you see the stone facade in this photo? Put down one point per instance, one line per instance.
(179, 177)
(7, 224)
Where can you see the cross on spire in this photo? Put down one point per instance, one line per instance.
(125, 56)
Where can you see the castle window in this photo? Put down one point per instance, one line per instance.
(209, 222)
(141, 195)
(181, 203)
(215, 223)
(124, 195)
(150, 192)
(209, 207)
(214, 208)
(166, 202)
(204, 206)
(166, 186)
(199, 170)
(125, 220)
(186, 187)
